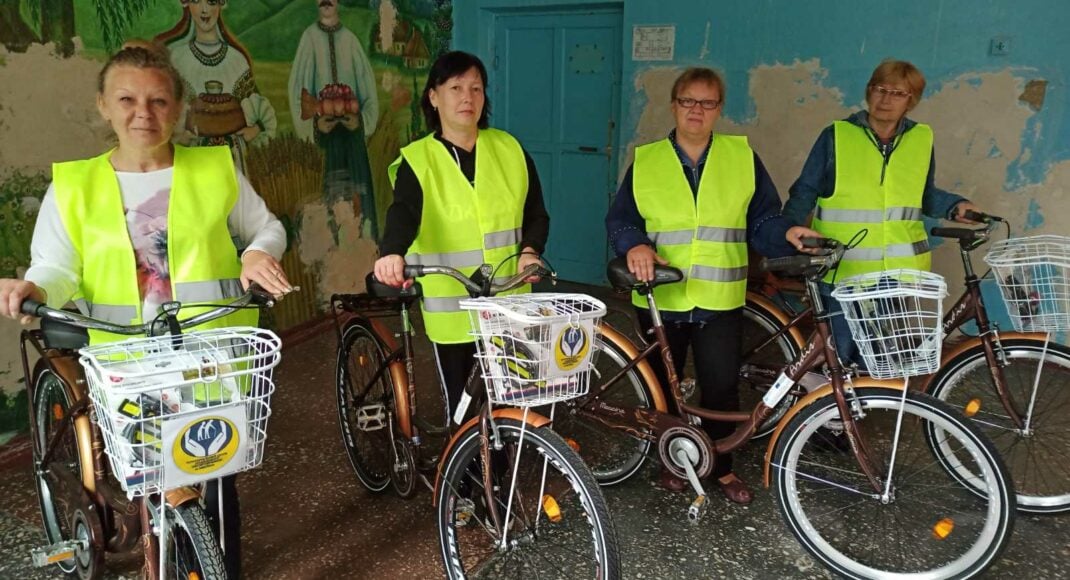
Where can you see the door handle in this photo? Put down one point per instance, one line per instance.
(587, 149)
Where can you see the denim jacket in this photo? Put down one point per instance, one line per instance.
(818, 178)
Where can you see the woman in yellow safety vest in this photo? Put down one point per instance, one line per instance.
(694, 201)
(464, 195)
(875, 170)
(149, 222)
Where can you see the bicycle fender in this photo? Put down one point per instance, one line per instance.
(965, 345)
(771, 308)
(806, 401)
(183, 495)
(69, 372)
(535, 420)
(645, 370)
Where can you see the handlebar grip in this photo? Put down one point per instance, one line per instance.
(413, 271)
(787, 263)
(30, 307)
(956, 233)
(826, 243)
(981, 217)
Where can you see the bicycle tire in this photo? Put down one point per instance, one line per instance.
(612, 455)
(1037, 460)
(465, 534)
(192, 551)
(360, 353)
(52, 403)
(758, 325)
(841, 521)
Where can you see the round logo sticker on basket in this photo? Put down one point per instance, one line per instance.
(570, 348)
(206, 445)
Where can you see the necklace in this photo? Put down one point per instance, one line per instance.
(208, 59)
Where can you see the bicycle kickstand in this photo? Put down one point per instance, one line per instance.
(698, 507)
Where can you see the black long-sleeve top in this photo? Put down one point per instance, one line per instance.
(404, 215)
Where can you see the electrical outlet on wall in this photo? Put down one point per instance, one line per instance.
(1000, 46)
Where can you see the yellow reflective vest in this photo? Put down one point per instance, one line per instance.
(203, 262)
(703, 235)
(884, 200)
(464, 225)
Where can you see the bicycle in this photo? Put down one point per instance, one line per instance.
(511, 496)
(830, 458)
(993, 376)
(109, 400)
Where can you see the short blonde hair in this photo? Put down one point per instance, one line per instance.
(898, 70)
(698, 75)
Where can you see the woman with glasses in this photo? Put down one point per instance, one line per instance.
(694, 201)
(874, 171)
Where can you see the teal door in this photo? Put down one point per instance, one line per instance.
(556, 86)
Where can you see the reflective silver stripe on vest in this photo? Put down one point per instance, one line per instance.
(730, 235)
(208, 290)
(903, 213)
(711, 274)
(114, 313)
(858, 216)
(671, 238)
(442, 304)
(451, 259)
(501, 239)
(864, 254)
(83, 306)
(906, 250)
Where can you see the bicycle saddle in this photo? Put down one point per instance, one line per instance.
(623, 281)
(377, 289)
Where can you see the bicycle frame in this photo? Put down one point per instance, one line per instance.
(650, 424)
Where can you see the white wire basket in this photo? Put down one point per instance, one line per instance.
(535, 349)
(895, 319)
(177, 411)
(1033, 275)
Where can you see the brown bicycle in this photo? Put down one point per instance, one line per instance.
(851, 464)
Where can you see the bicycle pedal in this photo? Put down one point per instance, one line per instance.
(697, 509)
(58, 552)
(464, 512)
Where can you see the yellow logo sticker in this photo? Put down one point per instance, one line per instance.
(206, 445)
(571, 346)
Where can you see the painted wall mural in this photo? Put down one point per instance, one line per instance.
(314, 98)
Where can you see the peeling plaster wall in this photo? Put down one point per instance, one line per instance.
(1001, 121)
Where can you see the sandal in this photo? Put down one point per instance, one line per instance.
(735, 490)
(670, 482)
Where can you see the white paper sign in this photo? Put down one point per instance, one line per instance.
(653, 42)
(205, 445)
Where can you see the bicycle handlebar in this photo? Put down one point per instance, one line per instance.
(473, 286)
(966, 235)
(807, 264)
(254, 295)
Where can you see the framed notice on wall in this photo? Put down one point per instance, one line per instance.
(653, 42)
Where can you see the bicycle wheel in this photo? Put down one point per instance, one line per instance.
(62, 521)
(612, 455)
(932, 525)
(1037, 459)
(365, 405)
(560, 529)
(761, 368)
(192, 550)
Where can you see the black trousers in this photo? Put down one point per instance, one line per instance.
(716, 345)
(454, 364)
(231, 521)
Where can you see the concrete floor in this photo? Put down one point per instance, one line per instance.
(306, 516)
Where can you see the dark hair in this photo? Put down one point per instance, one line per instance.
(698, 75)
(452, 64)
(143, 54)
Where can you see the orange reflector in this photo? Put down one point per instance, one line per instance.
(194, 576)
(549, 505)
(972, 407)
(57, 411)
(61, 556)
(572, 443)
(943, 528)
(363, 360)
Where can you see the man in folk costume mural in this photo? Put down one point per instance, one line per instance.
(225, 106)
(333, 101)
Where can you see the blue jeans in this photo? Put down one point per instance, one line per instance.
(841, 333)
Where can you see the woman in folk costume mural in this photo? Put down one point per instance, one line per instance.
(225, 107)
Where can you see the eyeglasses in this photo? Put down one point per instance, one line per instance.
(708, 104)
(893, 94)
